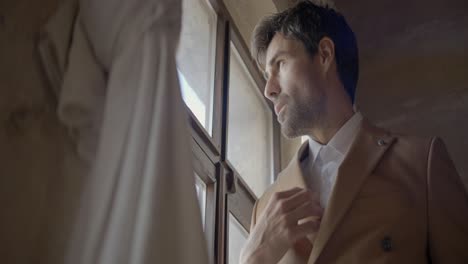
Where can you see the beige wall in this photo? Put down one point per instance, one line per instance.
(414, 65)
(28, 134)
(246, 14)
(34, 147)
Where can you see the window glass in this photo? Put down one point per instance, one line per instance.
(195, 59)
(249, 129)
(237, 238)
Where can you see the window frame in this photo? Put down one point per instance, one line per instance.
(226, 191)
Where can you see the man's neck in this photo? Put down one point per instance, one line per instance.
(325, 133)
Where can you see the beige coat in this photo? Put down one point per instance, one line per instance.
(397, 199)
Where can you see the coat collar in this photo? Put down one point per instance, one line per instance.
(367, 149)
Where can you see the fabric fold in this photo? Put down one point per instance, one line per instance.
(120, 98)
(54, 42)
(76, 78)
(82, 95)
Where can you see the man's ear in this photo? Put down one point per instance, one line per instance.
(326, 51)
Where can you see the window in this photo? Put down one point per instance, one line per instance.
(237, 238)
(195, 59)
(249, 128)
(240, 204)
(205, 184)
(235, 142)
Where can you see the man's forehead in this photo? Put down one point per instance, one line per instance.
(280, 43)
(277, 42)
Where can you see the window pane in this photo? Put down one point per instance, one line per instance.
(195, 59)
(237, 238)
(201, 195)
(249, 129)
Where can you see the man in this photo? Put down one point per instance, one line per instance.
(354, 193)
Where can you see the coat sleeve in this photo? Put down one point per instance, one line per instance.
(447, 208)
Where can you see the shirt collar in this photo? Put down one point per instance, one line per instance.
(342, 139)
(314, 148)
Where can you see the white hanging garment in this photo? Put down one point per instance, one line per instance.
(139, 203)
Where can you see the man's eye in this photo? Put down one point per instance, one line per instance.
(280, 63)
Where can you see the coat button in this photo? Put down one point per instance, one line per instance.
(387, 244)
(381, 142)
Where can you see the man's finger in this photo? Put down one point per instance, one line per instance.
(305, 229)
(298, 199)
(288, 193)
(278, 196)
(308, 209)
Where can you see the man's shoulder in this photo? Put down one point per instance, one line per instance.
(404, 140)
(408, 151)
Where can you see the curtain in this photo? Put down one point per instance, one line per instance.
(121, 100)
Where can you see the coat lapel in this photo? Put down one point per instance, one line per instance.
(293, 176)
(366, 151)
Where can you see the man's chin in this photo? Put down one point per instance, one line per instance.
(289, 132)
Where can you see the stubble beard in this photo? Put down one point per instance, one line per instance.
(303, 117)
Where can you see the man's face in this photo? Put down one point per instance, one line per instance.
(296, 85)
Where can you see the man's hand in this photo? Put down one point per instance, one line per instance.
(289, 217)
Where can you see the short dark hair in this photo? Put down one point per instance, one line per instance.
(309, 23)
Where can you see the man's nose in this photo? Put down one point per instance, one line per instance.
(272, 89)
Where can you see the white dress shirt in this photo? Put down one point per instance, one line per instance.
(322, 165)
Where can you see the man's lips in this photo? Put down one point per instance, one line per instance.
(278, 108)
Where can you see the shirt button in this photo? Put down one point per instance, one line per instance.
(387, 244)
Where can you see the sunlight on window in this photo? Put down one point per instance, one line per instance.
(200, 186)
(196, 59)
(191, 99)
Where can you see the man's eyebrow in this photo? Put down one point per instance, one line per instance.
(272, 62)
